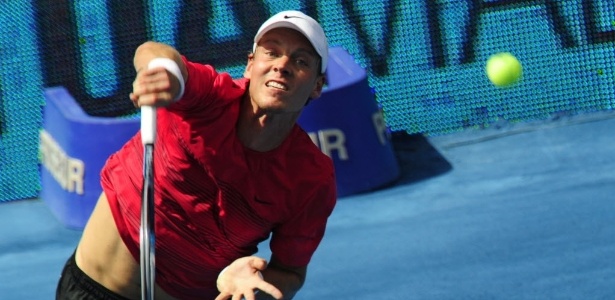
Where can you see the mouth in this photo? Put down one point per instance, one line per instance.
(277, 85)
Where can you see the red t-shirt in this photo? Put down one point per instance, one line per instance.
(216, 199)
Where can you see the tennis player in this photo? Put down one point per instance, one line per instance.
(232, 169)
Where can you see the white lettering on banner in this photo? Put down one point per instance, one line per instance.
(330, 140)
(67, 171)
(381, 127)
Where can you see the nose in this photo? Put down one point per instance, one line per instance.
(282, 65)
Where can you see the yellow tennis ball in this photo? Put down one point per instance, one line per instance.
(503, 69)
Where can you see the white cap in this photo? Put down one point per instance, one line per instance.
(303, 23)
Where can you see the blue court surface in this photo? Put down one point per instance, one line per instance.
(524, 211)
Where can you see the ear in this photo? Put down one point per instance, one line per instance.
(248, 70)
(320, 82)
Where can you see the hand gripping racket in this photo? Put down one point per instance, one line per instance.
(147, 233)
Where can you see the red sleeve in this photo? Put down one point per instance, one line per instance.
(205, 86)
(294, 242)
(198, 86)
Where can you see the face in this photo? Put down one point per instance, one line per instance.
(283, 72)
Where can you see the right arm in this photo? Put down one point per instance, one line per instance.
(156, 86)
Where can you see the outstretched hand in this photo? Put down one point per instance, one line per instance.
(242, 278)
(154, 87)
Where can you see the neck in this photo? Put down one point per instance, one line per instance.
(263, 131)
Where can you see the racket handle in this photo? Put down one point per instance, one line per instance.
(148, 124)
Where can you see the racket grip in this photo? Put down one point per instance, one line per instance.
(148, 124)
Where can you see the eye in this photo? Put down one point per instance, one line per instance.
(270, 53)
(303, 62)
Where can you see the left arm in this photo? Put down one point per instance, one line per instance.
(287, 279)
(293, 242)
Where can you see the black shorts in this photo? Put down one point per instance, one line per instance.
(74, 284)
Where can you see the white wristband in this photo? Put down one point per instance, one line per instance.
(171, 66)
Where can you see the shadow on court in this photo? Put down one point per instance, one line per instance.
(513, 212)
(418, 158)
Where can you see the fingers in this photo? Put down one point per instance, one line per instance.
(152, 87)
(248, 295)
(258, 263)
(242, 278)
(270, 289)
(222, 296)
(237, 297)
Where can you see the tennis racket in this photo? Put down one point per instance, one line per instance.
(147, 234)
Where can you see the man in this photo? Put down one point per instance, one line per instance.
(232, 169)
